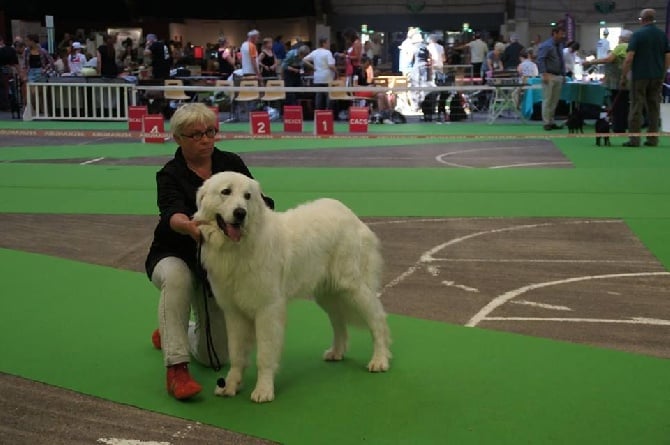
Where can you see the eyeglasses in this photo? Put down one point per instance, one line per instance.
(210, 133)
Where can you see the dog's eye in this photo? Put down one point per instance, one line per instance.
(226, 191)
(247, 196)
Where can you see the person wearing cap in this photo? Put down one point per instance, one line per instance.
(249, 53)
(76, 60)
(161, 59)
(603, 45)
(618, 93)
(647, 61)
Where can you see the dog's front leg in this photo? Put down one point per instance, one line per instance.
(270, 326)
(240, 342)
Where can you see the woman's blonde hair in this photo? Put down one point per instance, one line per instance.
(192, 114)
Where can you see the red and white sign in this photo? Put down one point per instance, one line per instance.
(135, 115)
(324, 123)
(293, 118)
(154, 124)
(260, 123)
(358, 119)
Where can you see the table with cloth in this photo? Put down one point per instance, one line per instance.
(581, 92)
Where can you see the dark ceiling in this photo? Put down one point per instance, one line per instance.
(130, 10)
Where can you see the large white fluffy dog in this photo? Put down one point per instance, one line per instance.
(257, 259)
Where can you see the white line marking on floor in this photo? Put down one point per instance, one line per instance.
(531, 164)
(440, 158)
(427, 257)
(92, 161)
(460, 286)
(634, 320)
(530, 260)
(507, 296)
(116, 441)
(541, 305)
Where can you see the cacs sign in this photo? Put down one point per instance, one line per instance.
(358, 119)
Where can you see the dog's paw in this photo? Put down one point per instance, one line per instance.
(331, 355)
(378, 364)
(263, 393)
(226, 391)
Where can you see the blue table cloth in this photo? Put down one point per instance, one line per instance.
(581, 92)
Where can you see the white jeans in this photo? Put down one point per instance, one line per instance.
(182, 292)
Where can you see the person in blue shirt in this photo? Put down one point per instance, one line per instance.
(279, 48)
(551, 67)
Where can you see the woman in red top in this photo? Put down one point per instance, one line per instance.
(353, 56)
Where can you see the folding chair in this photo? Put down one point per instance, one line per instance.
(224, 97)
(245, 96)
(341, 96)
(402, 100)
(274, 96)
(178, 96)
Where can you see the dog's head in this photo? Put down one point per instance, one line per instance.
(227, 202)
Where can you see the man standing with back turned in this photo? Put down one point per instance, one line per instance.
(647, 60)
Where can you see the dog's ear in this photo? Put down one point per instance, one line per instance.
(200, 194)
(199, 198)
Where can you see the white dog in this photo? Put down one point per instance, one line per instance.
(257, 259)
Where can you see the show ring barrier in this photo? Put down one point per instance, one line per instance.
(99, 100)
(91, 100)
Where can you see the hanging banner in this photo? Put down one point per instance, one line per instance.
(569, 27)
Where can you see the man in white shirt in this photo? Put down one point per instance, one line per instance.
(323, 63)
(603, 49)
(478, 52)
(437, 57)
(249, 53)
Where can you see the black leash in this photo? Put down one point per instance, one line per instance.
(611, 107)
(207, 294)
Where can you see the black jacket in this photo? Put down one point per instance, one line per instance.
(177, 187)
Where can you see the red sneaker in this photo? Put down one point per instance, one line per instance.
(156, 339)
(179, 382)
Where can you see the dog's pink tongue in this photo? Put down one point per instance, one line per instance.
(233, 232)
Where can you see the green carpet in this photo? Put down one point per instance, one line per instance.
(87, 328)
(448, 384)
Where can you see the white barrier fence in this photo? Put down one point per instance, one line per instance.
(98, 100)
(101, 101)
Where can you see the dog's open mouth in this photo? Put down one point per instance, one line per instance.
(232, 231)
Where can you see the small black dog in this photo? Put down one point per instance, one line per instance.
(575, 122)
(603, 126)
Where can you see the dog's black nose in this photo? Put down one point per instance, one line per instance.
(239, 214)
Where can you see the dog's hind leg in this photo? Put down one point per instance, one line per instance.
(369, 307)
(338, 323)
(381, 337)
